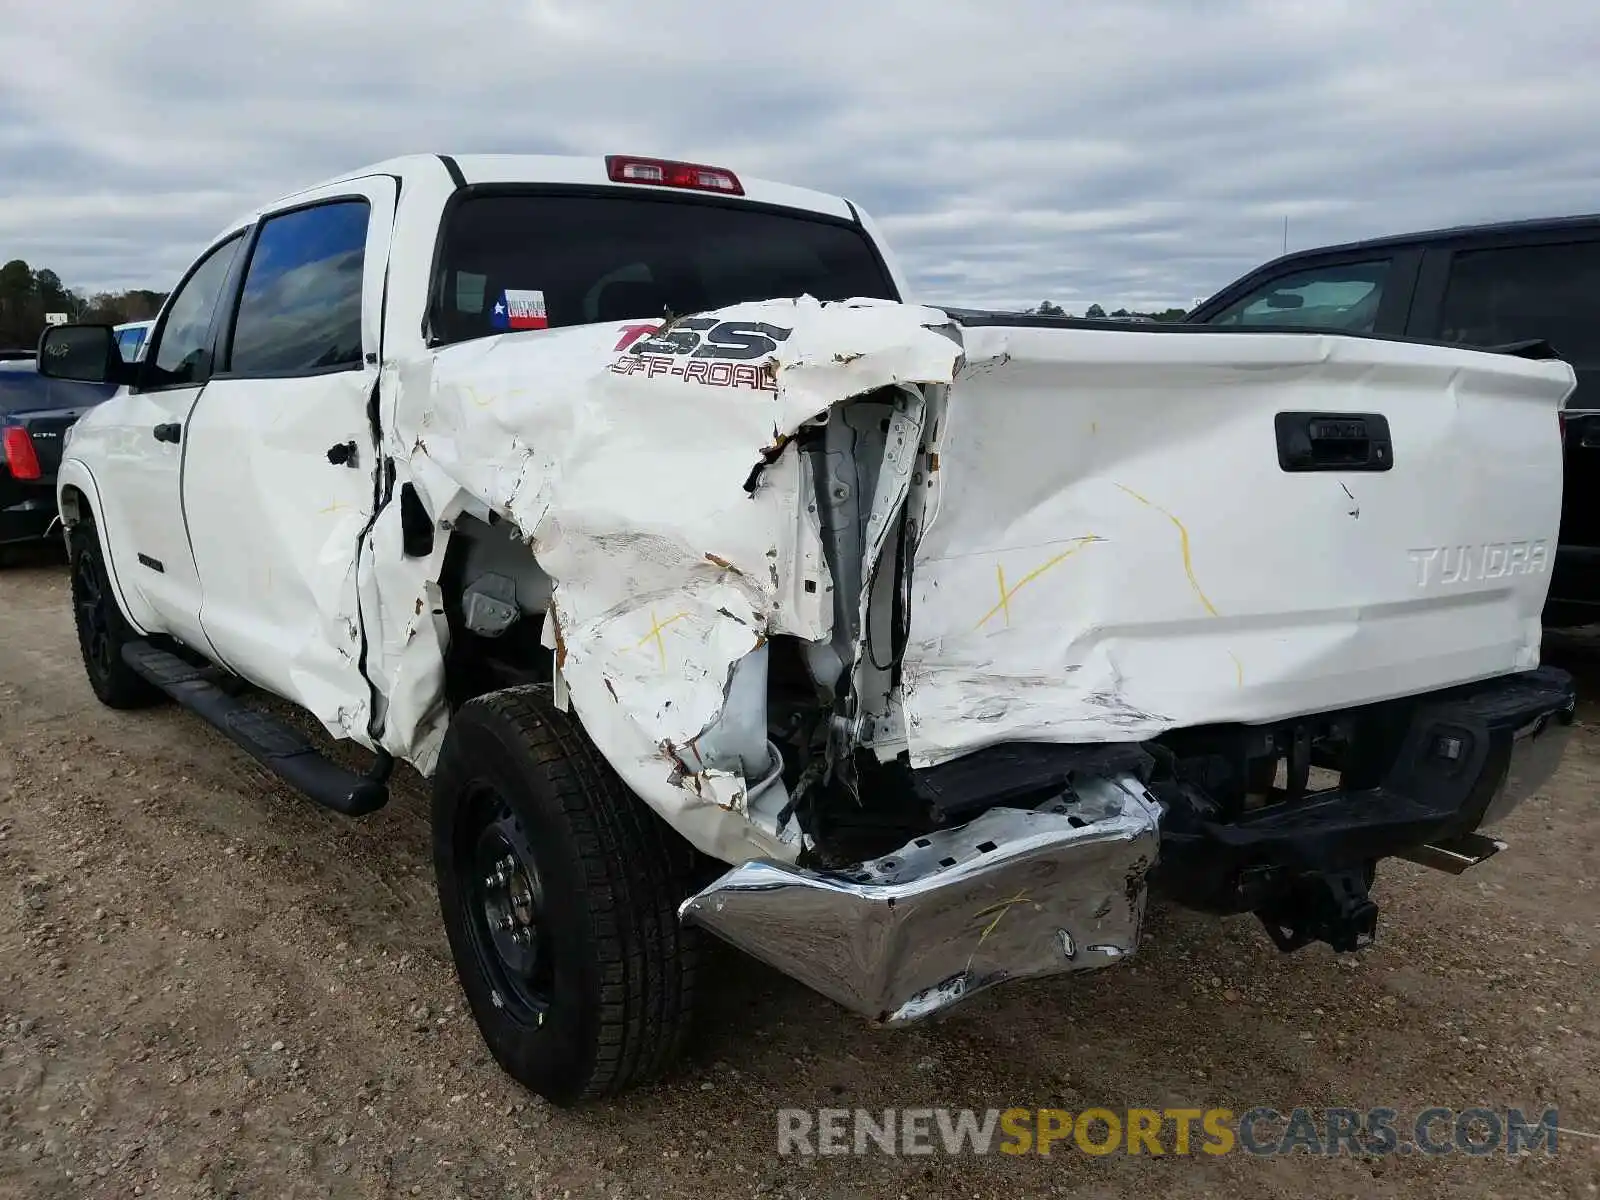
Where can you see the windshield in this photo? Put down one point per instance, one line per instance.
(542, 261)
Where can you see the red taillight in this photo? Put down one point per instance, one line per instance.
(20, 457)
(624, 168)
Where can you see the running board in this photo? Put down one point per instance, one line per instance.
(276, 745)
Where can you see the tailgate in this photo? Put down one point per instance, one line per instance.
(1131, 532)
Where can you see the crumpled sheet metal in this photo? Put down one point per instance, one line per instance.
(1113, 551)
(1087, 569)
(623, 461)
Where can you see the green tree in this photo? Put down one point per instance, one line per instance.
(20, 318)
(1047, 309)
(1095, 313)
(26, 296)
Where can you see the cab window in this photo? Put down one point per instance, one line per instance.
(1342, 296)
(182, 353)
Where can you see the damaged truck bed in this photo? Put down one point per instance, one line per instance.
(947, 634)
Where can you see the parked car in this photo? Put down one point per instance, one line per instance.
(718, 587)
(35, 413)
(1476, 285)
(131, 337)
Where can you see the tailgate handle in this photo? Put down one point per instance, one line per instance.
(1309, 441)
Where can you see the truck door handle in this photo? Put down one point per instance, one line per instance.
(171, 431)
(1334, 441)
(342, 455)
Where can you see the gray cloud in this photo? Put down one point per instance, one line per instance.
(1139, 153)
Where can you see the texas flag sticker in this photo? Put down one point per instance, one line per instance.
(520, 310)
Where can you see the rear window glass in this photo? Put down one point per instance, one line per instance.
(511, 262)
(1499, 296)
(300, 309)
(129, 341)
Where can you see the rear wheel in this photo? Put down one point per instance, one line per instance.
(559, 891)
(102, 629)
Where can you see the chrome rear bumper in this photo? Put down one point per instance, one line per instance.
(1011, 895)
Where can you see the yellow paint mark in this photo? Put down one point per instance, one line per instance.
(1238, 669)
(1003, 908)
(1006, 593)
(1183, 534)
(656, 626)
(336, 506)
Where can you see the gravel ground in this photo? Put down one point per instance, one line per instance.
(209, 987)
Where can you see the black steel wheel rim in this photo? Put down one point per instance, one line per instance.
(502, 897)
(94, 623)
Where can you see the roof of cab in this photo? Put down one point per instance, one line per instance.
(568, 169)
(1445, 234)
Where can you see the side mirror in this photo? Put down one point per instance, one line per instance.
(82, 354)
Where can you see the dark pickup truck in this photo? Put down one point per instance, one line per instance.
(35, 413)
(1480, 285)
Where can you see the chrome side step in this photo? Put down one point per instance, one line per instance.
(1455, 855)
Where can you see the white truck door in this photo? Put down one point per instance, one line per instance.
(142, 433)
(282, 466)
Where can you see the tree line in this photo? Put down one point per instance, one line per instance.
(1096, 313)
(27, 295)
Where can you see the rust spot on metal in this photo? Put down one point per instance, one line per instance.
(844, 359)
(769, 455)
(419, 606)
(718, 560)
(933, 461)
(561, 645)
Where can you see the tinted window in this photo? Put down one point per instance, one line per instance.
(1332, 297)
(183, 355)
(1522, 292)
(301, 305)
(531, 261)
(128, 343)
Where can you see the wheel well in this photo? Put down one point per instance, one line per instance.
(495, 598)
(74, 505)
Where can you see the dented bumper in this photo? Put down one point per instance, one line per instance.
(1011, 895)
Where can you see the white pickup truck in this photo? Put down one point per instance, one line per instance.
(718, 587)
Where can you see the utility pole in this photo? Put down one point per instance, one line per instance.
(1286, 233)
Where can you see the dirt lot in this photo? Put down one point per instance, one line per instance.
(208, 987)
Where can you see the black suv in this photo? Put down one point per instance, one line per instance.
(1479, 285)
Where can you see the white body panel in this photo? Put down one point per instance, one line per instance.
(147, 514)
(1160, 570)
(1111, 548)
(275, 525)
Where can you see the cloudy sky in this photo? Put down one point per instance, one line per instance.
(1131, 152)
